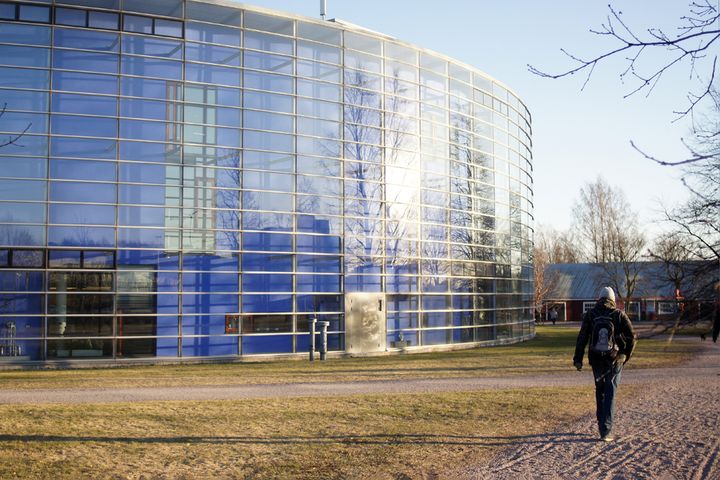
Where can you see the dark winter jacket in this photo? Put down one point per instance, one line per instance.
(624, 333)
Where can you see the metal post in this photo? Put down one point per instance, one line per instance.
(312, 339)
(323, 339)
(323, 9)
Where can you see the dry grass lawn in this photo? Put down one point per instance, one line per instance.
(358, 437)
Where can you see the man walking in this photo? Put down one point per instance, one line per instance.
(611, 342)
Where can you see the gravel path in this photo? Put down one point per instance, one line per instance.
(670, 430)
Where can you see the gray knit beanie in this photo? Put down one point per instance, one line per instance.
(607, 292)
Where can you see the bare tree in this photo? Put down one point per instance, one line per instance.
(607, 225)
(545, 280)
(651, 52)
(559, 246)
(698, 220)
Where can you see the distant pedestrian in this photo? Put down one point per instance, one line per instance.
(553, 315)
(611, 342)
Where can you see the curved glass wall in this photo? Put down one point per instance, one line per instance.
(185, 179)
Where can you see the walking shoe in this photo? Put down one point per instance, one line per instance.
(607, 437)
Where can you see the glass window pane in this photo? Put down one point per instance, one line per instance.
(150, 152)
(316, 51)
(143, 130)
(206, 12)
(167, 8)
(70, 16)
(267, 181)
(319, 90)
(22, 123)
(319, 33)
(363, 43)
(31, 13)
(85, 104)
(212, 54)
(157, 47)
(269, 43)
(86, 126)
(22, 167)
(143, 87)
(24, 56)
(150, 109)
(268, 161)
(142, 216)
(268, 121)
(265, 61)
(22, 235)
(143, 194)
(320, 71)
(87, 40)
(24, 78)
(82, 170)
(82, 214)
(268, 101)
(64, 259)
(81, 236)
(230, 117)
(111, 4)
(106, 20)
(22, 213)
(82, 192)
(213, 95)
(268, 23)
(266, 262)
(267, 242)
(84, 82)
(150, 173)
(134, 23)
(268, 141)
(141, 238)
(169, 28)
(152, 67)
(7, 11)
(401, 52)
(214, 74)
(27, 145)
(212, 33)
(83, 148)
(95, 62)
(25, 34)
(267, 81)
(22, 190)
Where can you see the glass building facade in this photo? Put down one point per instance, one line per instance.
(191, 179)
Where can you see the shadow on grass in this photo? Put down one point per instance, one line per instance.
(380, 439)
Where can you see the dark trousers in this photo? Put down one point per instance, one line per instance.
(607, 381)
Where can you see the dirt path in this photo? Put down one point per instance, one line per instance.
(670, 430)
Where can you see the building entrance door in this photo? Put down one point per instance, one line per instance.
(365, 323)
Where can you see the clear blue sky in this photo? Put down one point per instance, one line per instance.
(578, 135)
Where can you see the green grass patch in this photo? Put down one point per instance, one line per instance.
(357, 437)
(550, 352)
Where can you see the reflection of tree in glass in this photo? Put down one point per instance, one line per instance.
(363, 173)
(12, 138)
